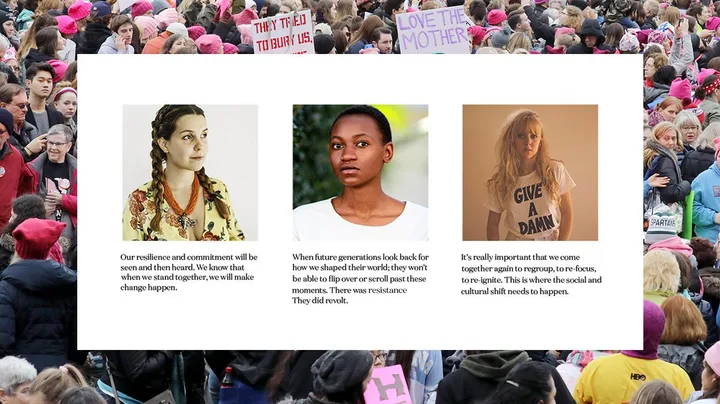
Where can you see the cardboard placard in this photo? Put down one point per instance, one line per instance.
(388, 386)
(284, 33)
(441, 30)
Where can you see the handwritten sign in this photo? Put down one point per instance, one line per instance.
(441, 30)
(388, 386)
(284, 33)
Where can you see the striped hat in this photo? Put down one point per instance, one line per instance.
(661, 226)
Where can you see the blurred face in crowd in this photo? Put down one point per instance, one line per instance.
(67, 105)
(669, 113)
(41, 84)
(38, 398)
(9, 28)
(708, 378)
(689, 132)
(13, 64)
(20, 392)
(18, 107)
(380, 357)
(704, 15)
(284, 9)
(524, 25)
(650, 68)
(61, 40)
(590, 41)
(57, 148)
(125, 31)
(553, 392)
(333, 11)
(357, 152)
(179, 44)
(668, 139)
(4, 134)
(385, 44)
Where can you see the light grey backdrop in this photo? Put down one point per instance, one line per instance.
(232, 154)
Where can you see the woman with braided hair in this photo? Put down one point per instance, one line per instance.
(181, 202)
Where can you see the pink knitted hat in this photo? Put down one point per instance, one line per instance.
(209, 44)
(60, 69)
(246, 17)
(246, 34)
(166, 17)
(712, 23)
(680, 89)
(672, 244)
(196, 32)
(148, 26)
(229, 49)
(477, 33)
(704, 73)
(657, 37)
(79, 10)
(712, 357)
(140, 8)
(563, 30)
(66, 25)
(495, 17)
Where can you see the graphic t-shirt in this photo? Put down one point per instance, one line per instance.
(529, 213)
(614, 379)
(320, 221)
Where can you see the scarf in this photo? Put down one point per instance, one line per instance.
(661, 150)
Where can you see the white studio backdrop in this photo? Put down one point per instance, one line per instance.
(261, 315)
(232, 155)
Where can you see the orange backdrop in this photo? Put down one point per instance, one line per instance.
(571, 133)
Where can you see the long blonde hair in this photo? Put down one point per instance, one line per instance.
(649, 152)
(509, 166)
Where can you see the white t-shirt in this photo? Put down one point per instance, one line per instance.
(529, 214)
(320, 221)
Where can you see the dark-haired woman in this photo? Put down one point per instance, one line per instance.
(709, 92)
(528, 383)
(360, 145)
(710, 378)
(49, 42)
(181, 203)
(423, 371)
(23, 208)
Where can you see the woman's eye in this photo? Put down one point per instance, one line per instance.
(533, 137)
(204, 135)
(362, 144)
(187, 137)
(336, 146)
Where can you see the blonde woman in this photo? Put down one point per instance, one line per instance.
(656, 391)
(571, 17)
(519, 40)
(660, 157)
(700, 159)
(532, 189)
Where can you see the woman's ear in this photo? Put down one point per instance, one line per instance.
(162, 144)
(389, 152)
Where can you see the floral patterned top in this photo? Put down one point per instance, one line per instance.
(140, 210)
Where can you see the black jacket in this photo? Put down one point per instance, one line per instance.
(298, 381)
(35, 56)
(589, 28)
(89, 41)
(54, 117)
(695, 162)
(22, 139)
(540, 28)
(38, 302)
(252, 368)
(140, 374)
(677, 189)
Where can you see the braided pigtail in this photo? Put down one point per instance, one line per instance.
(157, 187)
(207, 185)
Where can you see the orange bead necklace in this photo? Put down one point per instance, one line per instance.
(183, 215)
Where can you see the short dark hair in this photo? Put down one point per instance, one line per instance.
(272, 10)
(704, 252)
(33, 70)
(478, 9)
(375, 37)
(374, 113)
(118, 21)
(665, 75)
(9, 91)
(392, 5)
(514, 20)
(453, 3)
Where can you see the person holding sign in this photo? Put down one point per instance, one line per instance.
(360, 146)
(532, 189)
(181, 202)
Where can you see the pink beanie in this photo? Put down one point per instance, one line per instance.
(79, 10)
(196, 32)
(10, 54)
(712, 23)
(148, 26)
(60, 69)
(229, 49)
(140, 8)
(66, 25)
(657, 37)
(209, 44)
(673, 244)
(712, 357)
(477, 33)
(495, 17)
(704, 73)
(166, 17)
(680, 89)
(246, 34)
(246, 17)
(563, 30)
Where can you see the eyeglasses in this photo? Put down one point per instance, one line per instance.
(381, 356)
(690, 128)
(21, 106)
(56, 144)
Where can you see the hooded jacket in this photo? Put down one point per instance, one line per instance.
(690, 358)
(706, 203)
(712, 112)
(35, 56)
(108, 47)
(677, 188)
(589, 28)
(140, 374)
(38, 313)
(711, 284)
(695, 162)
(28, 132)
(650, 94)
(89, 41)
(252, 368)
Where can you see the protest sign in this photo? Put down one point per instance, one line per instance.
(441, 30)
(387, 386)
(284, 33)
(123, 4)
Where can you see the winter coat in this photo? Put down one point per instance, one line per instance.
(153, 46)
(35, 56)
(690, 358)
(110, 48)
(27, 133)
(141, 375)
(712, 112)
(695, 162)
(681, 54)
(298, 380)
(355, 48)
(711, 283)
(54, 117)
(677, 189)
(713, 334)
(541, 29)
(38, 300)
(589, 28)
(656, 91)
(89, 41)
(253, 368)
(706, 204)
